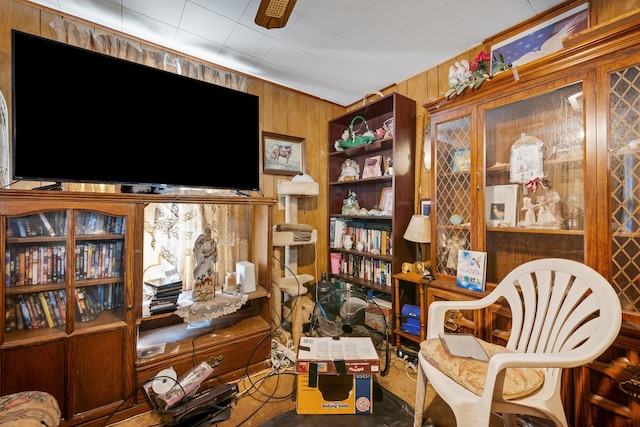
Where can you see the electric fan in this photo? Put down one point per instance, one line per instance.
(352, 313)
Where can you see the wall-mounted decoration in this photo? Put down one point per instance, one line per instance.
(283, 155)
(542, 39)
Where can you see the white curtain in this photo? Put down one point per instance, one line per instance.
(170, 229)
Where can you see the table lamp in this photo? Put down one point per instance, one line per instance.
(419, 231)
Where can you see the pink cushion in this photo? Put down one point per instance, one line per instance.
(471, 373)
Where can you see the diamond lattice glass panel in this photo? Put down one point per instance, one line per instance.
(453, 152)
(624, 140)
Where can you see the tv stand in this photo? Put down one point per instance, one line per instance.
(51, 187)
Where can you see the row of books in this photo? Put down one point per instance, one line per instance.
(373, 270)
(373, 237)
(98, 260)
(166, 292)
(38, 310)
(47, 309)
(40, 224)
(88, 222)
(32, 265)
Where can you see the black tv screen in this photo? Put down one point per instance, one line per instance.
(81, 116)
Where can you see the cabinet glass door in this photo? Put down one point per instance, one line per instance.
(534, 193)
(99, 268)
(453, 198)
(624, 158)
(35, 275)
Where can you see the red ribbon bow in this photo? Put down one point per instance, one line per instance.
(533, 184)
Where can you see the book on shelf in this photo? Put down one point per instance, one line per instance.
(24, 309)
(37, 316)
(47, 312)
(10, 317)
(60, 309)
(47, 225)
(61, 299)
(82, 313)
(471, 270)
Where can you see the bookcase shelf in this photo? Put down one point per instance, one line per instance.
(381, 257)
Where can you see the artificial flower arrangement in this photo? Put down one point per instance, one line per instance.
(463, 75)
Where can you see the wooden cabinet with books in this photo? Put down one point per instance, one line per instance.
(73, 317)
(67, 287)
(371, 193)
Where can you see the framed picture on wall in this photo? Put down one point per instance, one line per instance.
(542, 39)
(283, 154)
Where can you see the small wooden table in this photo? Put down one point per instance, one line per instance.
(421, 296)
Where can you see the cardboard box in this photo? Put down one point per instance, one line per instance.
(335, 376)
(335, 394)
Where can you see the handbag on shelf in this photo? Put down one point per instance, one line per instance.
(351, 139)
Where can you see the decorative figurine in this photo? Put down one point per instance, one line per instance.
(350, 205)
(454, 244)
(530, 212)
(350, 171)
(546, 219)
(554, 201)
(204, 273)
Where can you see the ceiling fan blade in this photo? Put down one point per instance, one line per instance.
(274, 13)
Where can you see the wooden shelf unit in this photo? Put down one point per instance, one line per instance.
(401, 146)
(578, 102)
(73, 359)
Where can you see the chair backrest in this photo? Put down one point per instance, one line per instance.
(562, 307)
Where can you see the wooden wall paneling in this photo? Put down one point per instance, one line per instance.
(21, 17)
(606, 10)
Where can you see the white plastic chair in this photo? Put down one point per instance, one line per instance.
(564, 315)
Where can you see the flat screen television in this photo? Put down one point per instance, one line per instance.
(85, 117)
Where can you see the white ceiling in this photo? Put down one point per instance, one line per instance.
(337, 50)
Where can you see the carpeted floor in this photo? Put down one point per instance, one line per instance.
(268, 395)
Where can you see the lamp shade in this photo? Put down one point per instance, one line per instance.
(419, 229)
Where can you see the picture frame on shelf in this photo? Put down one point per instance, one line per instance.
(387, 165)
(425, 207)
(461, 160)
(386, 199)
(541, 39)
(501, 203)
(283, 154)
(372, 167)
